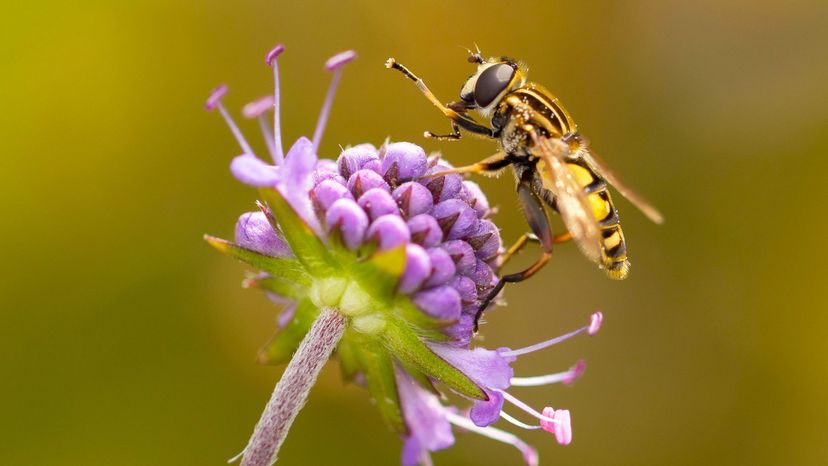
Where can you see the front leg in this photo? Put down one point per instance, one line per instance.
(457, 118)
(454, 136)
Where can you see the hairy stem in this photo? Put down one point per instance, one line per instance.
(292, 390)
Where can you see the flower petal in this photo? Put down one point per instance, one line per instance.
(424, 415)
(487, 412)
(254, 232)
(485, 367)
(249, 169)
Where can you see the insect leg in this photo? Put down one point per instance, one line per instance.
(516, 248)
(490, 165)
(456, 117)
(521, 242)
(539, 224)
(454, 136)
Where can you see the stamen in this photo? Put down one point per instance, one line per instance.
(214, 101)
(215, 97)
(530, 456)
(575, 372)
(594, 324)
(562, 428)
(270, 59)
(334, 64)
(338, 60)
(518, 423)
(257, 109)
(567, 377)
(525, 407)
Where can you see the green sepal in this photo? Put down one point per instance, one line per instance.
(282, 287)
(381, 272)
(348, 362)
(304, 243)
(402, 341)
(279, 267)
(420, 378)
(378, 368)
(284, 343)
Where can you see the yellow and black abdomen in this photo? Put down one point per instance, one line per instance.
(613, 246)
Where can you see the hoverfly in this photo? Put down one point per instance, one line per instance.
(550, 159)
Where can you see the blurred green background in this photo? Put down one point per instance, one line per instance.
(124, 339)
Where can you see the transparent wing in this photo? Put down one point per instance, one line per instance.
(604, 172)
(570, 198)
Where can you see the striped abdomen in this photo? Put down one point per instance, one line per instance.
(613, 247)
(533, 108)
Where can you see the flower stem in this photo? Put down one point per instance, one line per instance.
(292, 390)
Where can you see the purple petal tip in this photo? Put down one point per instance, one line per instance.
(274, 52)
(258, 107)
(339, 59)
(215, 97)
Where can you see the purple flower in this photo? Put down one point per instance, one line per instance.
(425, 418)
(404, 256)
(254, 232)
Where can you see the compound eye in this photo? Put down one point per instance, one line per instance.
(492, 82)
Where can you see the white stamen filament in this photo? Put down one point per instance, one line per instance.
(425, 459)
(520, 424)
(528, 409)
(235, 130)
(543, 344)
(492, 433)
(271, 146)
(326, 109)
(540, 379)
(278, 155)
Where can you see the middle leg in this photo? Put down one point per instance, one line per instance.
(488, 166)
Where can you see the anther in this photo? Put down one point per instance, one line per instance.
(595, 323)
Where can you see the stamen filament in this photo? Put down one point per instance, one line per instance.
(529, 453)
(520, 424)
(279, 155)
(268, 137)
(543, 344)
(326, 108)
(541, 379)
(425, 459)
(235, 130)
(257, 109)
(334, 64)
(528, 409)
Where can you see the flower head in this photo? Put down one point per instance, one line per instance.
(404, 256)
